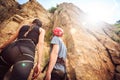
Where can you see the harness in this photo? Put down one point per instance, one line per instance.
(26, 39)
(62, 75)
(20, 49)
(59, 60)
(20, 46)
(3, 60)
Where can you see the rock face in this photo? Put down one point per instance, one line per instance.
(93, 53)
(7, 6)
(25, 14)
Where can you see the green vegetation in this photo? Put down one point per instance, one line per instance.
(48, 35)
(52, 9)
(117, 25)
(117, 31)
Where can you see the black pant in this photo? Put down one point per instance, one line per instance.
(58, 75)
(20, 71)
(3, 69)
(18, 56)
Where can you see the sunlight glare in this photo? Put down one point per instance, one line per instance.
(99, 11)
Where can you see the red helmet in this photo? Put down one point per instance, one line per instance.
(58, 31)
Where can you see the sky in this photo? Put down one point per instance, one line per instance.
(105, 10)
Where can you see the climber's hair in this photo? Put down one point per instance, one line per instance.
(37, 22)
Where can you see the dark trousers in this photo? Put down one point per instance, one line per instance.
(18, 56)
(20, 71)
(3, 69)
(58, 75)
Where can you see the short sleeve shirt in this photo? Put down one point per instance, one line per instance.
(61, 53)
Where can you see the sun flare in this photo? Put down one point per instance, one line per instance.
(99, 11)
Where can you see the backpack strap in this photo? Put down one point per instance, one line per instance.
(44, 67)
(30, 28)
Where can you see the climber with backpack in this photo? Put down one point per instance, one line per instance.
(19, 52)
(56, 67)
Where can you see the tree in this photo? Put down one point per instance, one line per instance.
(118, 22)
(52, 9)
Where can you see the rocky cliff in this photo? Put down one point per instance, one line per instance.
(93, 53)
(8, 6)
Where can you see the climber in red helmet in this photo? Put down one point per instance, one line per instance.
(58, 32)
(56, 68)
